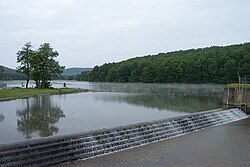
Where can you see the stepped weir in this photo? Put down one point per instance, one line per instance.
(62, 149)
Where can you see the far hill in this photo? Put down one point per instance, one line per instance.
(74, 71)
(69, 73)
(11, 74)
(8, 70)
(216, 64)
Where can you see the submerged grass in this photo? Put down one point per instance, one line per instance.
(235, 85)
(10, 94)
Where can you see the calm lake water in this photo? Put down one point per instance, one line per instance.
(108, 105)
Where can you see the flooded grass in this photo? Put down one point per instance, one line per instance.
(235, 85)
(9, 94)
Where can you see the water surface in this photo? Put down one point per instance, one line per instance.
(64, 114)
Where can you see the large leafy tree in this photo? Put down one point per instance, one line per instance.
(44, 66)
(24, 57)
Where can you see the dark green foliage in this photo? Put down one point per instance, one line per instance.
(44, 66)
(23, 57)
(208, 65)
(41, 65)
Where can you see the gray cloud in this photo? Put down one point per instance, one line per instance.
(90, 32)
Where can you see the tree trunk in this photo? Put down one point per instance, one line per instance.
(38, 85)
(27, 82)
(44, 84)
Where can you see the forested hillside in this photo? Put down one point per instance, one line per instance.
(208, 65)
(10, 74)
(74, 71)
(71, 73)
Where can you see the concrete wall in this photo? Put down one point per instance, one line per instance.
(233, 98)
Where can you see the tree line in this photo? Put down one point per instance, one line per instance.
(204, 65)
(40, 65)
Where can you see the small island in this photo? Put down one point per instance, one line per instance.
(41, 66)
(11, 94)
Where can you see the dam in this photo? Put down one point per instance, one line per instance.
(62, 149)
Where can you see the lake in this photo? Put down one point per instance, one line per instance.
(107, 105)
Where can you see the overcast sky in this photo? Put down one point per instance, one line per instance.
(93, 32)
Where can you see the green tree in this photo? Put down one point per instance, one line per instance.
(44, 66)
(245, 69)
(23, 57)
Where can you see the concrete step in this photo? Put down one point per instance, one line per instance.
(56, 150)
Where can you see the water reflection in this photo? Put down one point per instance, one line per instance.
(1, 117)
(167, 102)
(38, 117)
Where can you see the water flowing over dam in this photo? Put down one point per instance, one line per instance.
(61, 149)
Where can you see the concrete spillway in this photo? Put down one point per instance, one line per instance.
(62, 149)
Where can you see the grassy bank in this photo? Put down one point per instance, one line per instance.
(235, 85)
(9, 94)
